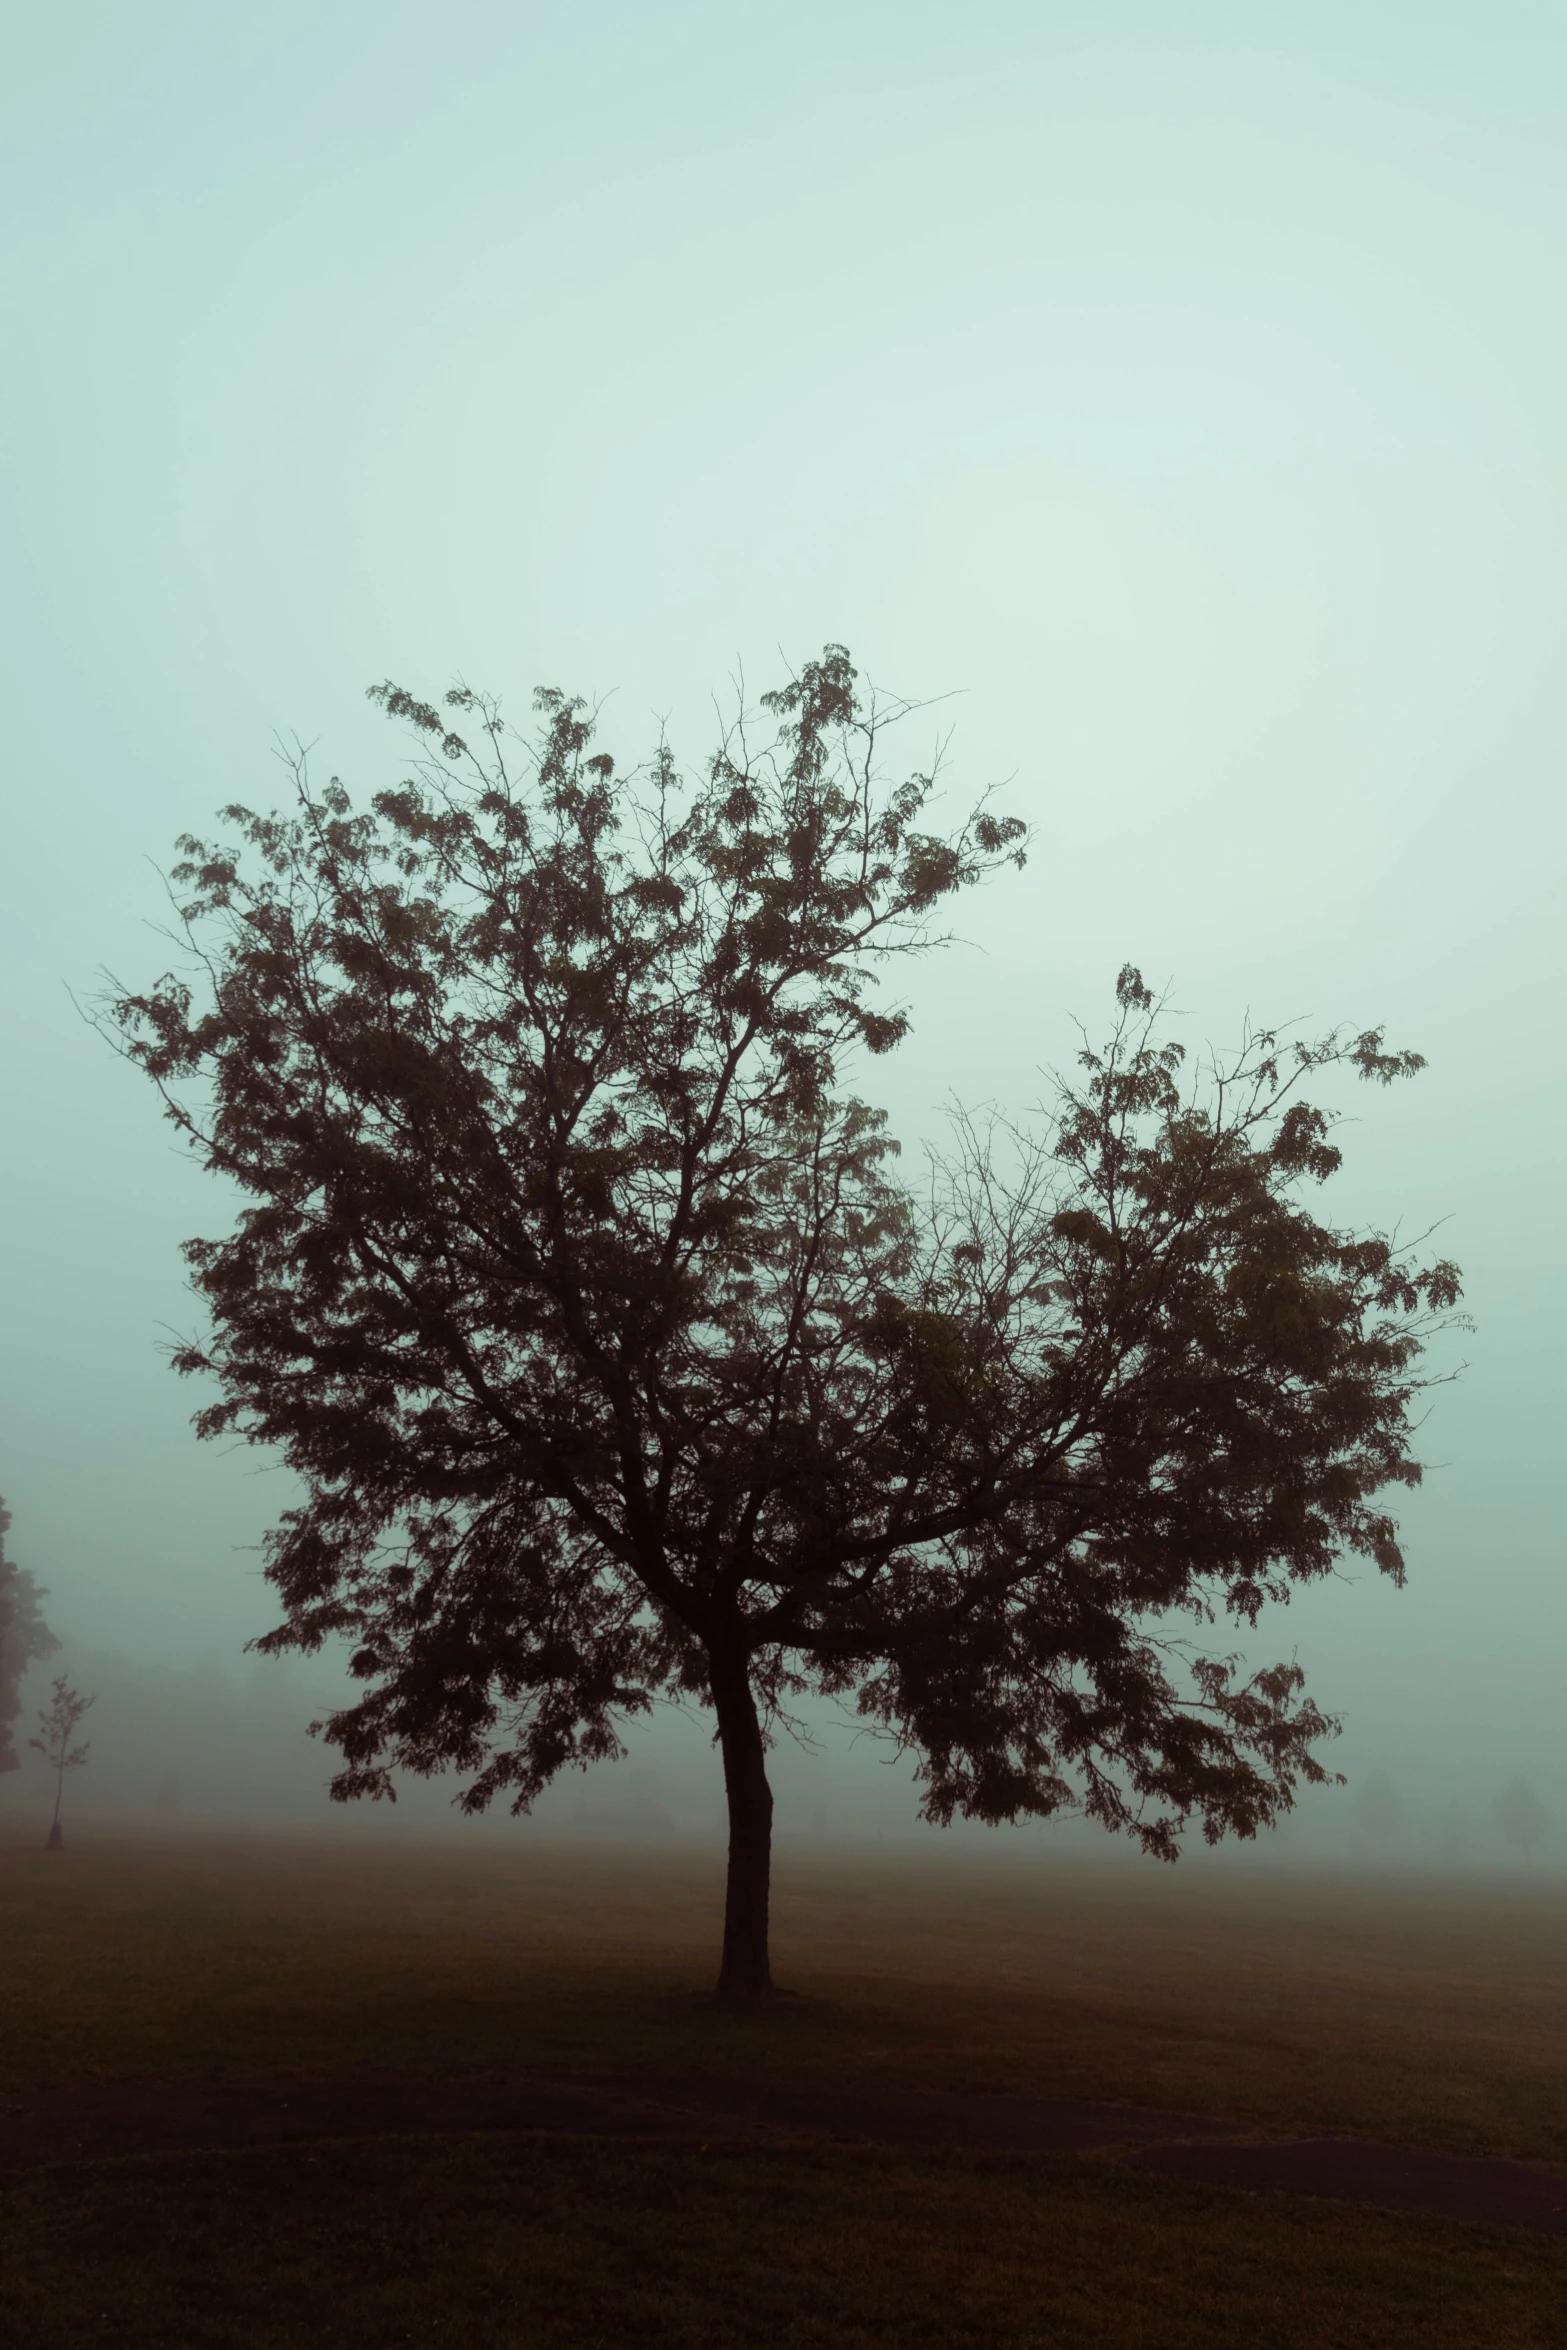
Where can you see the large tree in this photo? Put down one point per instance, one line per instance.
(24, 1639)
(616, 1360)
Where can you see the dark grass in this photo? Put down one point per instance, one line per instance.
(573, 2245)
(1423, 2011)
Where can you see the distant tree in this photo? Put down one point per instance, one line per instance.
(58, 1725)
(1379, 1809)
(616, 1362)
(1521, 1817)
(24, 1639)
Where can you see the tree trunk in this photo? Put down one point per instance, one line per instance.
(745, 1977)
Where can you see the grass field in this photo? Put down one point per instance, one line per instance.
(492, 2242)
(1425, 2010)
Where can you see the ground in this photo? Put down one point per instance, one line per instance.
(245, 1971)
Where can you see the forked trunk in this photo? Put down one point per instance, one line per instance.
(745, 1977)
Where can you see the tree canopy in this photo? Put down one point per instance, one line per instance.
(24, 1639)
(618, 1358)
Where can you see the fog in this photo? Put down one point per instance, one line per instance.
(176, 1746)
(1183, 390)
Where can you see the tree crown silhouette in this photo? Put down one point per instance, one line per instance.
(617, 1359)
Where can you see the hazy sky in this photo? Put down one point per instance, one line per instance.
(1187, 385)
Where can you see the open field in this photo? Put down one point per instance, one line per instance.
(1426, 2011)
(499, 2243)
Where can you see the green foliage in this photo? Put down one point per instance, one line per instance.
(614, 1357)
(24, 1639)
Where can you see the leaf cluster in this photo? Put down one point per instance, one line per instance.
(589, 1306)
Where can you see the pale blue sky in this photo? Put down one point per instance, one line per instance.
(1187, 385)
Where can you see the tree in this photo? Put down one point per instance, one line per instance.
(24, 1639)
(59, 1723)
(616, 1361)
(1521, 1816)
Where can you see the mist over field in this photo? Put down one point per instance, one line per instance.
(1180, 393)
(177, 1747)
